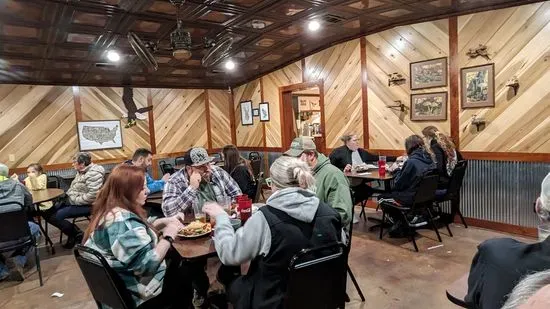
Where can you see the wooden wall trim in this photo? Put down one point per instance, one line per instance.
(364, 91)
(264, 138)
(77, 104)
(152, 140)
(453, 80)
(60, 166)
(232, 119)
(208, 124)
(303, 65)
(507, 156)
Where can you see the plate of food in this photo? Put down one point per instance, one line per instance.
(195, 229)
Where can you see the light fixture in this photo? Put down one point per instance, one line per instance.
(229, 65)
(313, 25)
(113, 56)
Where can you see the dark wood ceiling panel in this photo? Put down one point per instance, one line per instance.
(66, 41)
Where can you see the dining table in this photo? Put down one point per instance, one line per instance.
(41, 196)
(197, 248)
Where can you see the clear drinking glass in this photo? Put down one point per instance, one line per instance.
(544, 231)
(199, 214)
(225, 203)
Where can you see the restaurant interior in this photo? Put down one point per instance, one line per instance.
(91, 83)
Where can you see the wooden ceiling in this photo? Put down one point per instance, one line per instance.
(60, 41)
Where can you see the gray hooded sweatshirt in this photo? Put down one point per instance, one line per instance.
(12, 191)
(254, 238)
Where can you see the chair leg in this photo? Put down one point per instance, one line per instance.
(448, 229)
(414, 240)
(382, 223)
(357, 287)
(462, 218)
(37, 258)
(362, 213)
(433, 224)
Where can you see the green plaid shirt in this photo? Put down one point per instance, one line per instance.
(129, 247)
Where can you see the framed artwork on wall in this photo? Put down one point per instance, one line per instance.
(99, 135)
(429, 106)
(429, 73)
(246, 113)
(477, 86)
(264, 111)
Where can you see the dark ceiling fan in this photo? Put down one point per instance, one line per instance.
(181, 45)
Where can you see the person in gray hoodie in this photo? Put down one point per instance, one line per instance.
(292, 220)
(13, 197)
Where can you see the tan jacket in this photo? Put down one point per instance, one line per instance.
(86, 184)
(38, 183)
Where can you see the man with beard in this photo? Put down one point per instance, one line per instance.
(196, 183)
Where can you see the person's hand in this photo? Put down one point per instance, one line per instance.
(212, 209)
(347, 168)
(166, 177)
(393, 167)
(195, 180)
(179, 217)
(172, 228)
(15, 177)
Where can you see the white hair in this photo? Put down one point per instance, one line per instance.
(527, 288)
(289, 172)
(544, 200)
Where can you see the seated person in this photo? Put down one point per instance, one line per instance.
(331, 185)
(239, 169)
(196, 183)
(120, 232)
(81, 194)
(144, 158)
(419, 163)
(12, 191)
(446, 154)
(37, 180)
(500, 264)
(293, 219)
(533, 292)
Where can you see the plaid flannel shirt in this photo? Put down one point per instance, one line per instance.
(128, 245)
(178, 195)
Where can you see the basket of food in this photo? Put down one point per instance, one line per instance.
(195, 229)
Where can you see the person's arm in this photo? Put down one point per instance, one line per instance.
(178, 195)
(339, 197)
(94, 181)
(154, 185)
(404, 177)
(41, 182)
(248, 242)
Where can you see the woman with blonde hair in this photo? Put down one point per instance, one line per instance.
(446, 154)
(292, 220)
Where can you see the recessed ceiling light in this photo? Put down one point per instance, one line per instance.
(113, 56)
(230, 65)
(313, 25)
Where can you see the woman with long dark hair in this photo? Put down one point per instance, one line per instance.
(446, 154)
(120, 232)
(239, 169)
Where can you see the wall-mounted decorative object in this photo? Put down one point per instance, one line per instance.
(429, 74)
(255, 112)
(481, 50)
(478, 86)
(396, 79)
(264, 111)
(399, 106)
(246, 113)
(478, 122)
(514, 84)
(99, 134)
(309, 103)
(429, 106)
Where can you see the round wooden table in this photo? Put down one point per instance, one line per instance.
(190, 249)
(45, 195)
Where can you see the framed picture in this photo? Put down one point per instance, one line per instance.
(264, 111)
(246, 113)
(255, 112)
(477, 86)
(99, 134)
(429, 106)
(429, 74)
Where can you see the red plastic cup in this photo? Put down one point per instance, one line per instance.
(382, 166)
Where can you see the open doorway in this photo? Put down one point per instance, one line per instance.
(302, 113)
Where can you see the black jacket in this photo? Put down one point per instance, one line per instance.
(243, 178)
(499, 265)
(441, 161)
(341, 156)
(407, 178)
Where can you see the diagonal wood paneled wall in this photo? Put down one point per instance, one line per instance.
(340, 69)
(105, 103)
(392, 51)
(291, 74)
(37, 124)
(518, 40)
(180, 119)
(220, 122)
(250, 135)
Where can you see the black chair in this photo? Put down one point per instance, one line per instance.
(259, 184)
(317, 278)
(254, 155)
(15, 233)
(166, 168)
(53, 182)
(105, 284)
(179, 161)
(423, 200)
(348, 249)
(217, 157)
(452, 193)
(256, 165)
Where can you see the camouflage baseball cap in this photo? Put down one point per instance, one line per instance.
(299, 145)
(196, 157)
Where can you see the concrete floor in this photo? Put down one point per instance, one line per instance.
(389, 272)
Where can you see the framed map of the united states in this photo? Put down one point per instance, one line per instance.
(99, 134)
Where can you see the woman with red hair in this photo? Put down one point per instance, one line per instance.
(120, 232)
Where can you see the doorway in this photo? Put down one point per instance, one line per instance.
(302, 113)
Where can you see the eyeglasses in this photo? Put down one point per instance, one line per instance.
(268, 181)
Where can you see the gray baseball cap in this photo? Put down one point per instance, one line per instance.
(299, 145)
(196, 157)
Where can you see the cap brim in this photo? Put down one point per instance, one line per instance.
(209, 160)
(293, 153)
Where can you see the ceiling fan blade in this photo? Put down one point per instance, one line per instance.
(218, 52)
(142, 52)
